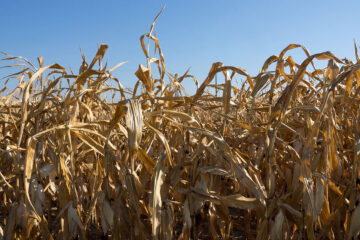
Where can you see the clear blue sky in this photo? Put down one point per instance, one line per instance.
(192, 33)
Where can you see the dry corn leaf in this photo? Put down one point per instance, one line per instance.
(157, 201)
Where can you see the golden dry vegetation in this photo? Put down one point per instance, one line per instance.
(276, 156)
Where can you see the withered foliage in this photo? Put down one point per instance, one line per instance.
(274, 157)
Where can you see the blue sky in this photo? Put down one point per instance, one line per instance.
(192, 33)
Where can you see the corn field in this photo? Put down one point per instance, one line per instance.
(273, 157)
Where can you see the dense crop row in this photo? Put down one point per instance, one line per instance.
(275, 157)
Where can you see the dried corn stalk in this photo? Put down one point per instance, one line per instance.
(275, 156)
